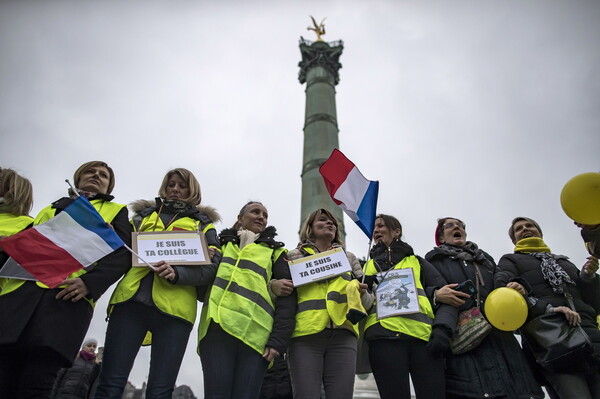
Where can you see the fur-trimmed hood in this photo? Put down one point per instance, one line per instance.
(146, 207)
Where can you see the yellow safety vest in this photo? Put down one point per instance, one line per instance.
(175, 300)
(11, 224)
(239, 300)
(417, 325)
(107, 209)
(322, 301)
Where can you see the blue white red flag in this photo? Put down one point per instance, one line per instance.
(348, 188)
(75, 238)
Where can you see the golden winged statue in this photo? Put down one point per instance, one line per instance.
(318, 28)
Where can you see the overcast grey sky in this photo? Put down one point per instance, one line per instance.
(479, 110)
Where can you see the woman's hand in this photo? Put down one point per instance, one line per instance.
(451, 297)
(75, 290)
(270, 354)
(590, 267)
(517, 287)
(165, 270)
(572, 316)
(362, 288)
(282, 287)
(211, 252)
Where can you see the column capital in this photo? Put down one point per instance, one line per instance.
(324, 54)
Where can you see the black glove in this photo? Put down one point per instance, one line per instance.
(439, 341)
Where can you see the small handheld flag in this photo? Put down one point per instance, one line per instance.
(75, 238)
(348, 188)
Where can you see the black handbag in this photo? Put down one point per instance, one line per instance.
(555, 344)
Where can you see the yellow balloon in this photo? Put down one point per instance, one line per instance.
(580, 198)
(505, 309)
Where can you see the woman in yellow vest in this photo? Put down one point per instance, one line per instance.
(16, 200)
(241, 328)
(323, 348)
(162, 302)
(42, 329)
(398, 345)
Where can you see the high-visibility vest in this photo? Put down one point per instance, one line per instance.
(417, 325)
(239, 300)
(175, 300)
(107, 209)
(322, 301)
(11, 224)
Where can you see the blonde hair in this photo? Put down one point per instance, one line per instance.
(306, 232)
(94, 164)
(188, 177)
(17, 192)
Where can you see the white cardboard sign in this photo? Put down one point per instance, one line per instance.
(319, 266)
(177, 247)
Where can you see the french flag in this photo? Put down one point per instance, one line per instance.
(75, 238)
(348, 188)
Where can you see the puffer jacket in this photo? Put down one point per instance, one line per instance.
(496, 368)
(75, 382)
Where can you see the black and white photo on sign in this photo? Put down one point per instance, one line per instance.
(396, 293)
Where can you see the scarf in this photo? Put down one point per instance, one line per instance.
(175, 207)
(246, 237)
(531, 244)
(87, 355)
(90, 195)
(551, 270)
(386, 258)
(468, 252)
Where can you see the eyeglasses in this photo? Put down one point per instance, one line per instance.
(450, 225)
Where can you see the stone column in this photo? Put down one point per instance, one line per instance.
(319, 70)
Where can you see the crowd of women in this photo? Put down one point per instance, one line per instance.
(252, 313)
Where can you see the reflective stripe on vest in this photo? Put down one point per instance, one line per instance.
(239, 299)
(321, 302)
(108, 210)
(417, 325)
(176, 300)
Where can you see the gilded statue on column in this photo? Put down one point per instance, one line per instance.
(318, 28)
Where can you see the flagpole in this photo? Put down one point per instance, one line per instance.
(125, 245)
(139, 257)
(368, 255)
(72, 188)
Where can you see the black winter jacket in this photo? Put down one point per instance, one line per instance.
(497, 367)
(585, 293)
(592, 240)
(75, 382)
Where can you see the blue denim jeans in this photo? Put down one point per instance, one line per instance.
(232, 369)
(126, 330)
